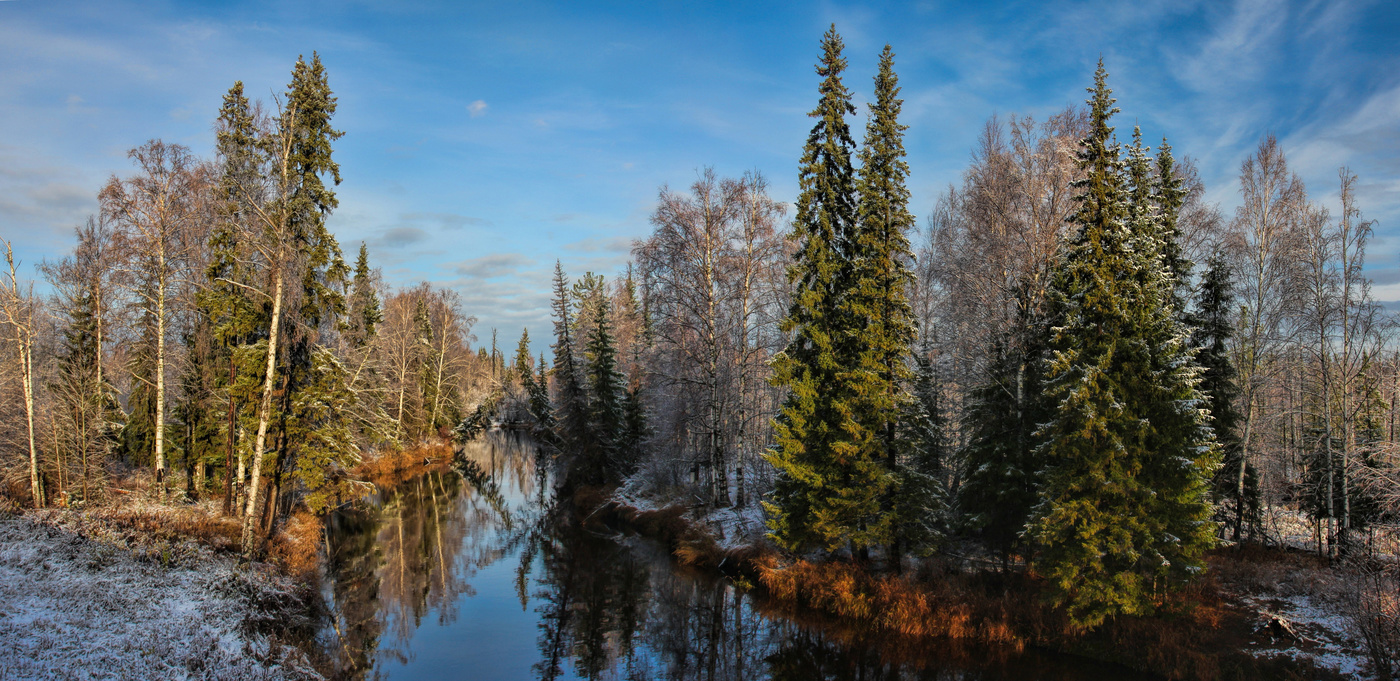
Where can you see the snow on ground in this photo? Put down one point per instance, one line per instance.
(77, 602)
(737, 527)
(1316, 619)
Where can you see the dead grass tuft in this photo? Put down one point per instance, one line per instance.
(391, 467)
(296, 549)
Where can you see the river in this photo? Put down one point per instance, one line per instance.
(477, 573)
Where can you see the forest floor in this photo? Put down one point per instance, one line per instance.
(1260, 613)
(132, 593)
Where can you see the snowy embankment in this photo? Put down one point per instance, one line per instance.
(80, 599)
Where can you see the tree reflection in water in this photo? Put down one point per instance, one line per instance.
(603, 606)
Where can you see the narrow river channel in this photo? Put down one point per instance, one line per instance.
(474, 574)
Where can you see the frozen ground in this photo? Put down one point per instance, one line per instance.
(79, 600)
(1323, 633)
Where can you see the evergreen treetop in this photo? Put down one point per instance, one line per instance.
(1126, 450)
(829, 488)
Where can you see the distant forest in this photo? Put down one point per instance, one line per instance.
(1073, 361)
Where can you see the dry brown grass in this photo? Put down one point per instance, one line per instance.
(948, 608)
(296, 550)
(391, 467)
(1197, 634)
(170, 522)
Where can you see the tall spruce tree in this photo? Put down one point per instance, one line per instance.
(829, 487)
(365, 310)
(1170, 194)
(571, 408)
(1213, 323)
(1126, 450)
(1000, 487)
(880, 320)
(237, 318)
(602, 459)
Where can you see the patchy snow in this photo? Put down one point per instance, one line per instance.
(1319, 623)
(731, 527)
(77, 602)
(737, 527)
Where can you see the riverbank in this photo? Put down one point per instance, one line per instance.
(82, 592)
(140, 587)
(1224, 626)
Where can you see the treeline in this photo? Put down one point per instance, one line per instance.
(1080, 365)
(207, 328)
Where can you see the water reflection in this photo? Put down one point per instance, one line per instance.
(480, 573)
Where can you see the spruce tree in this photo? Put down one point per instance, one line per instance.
(922, 494)
(365, 311)
(1213, 324)
(1126, 451)
(84, 393)
(1170, 195)
(236, 317)
(571, 418)
(602, 461)
(829, 488)
(524, 367)
(424, 338)
(879, 318)
(540, 408)
(1000, 487)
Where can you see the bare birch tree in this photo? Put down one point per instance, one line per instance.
(153, 212)
(20, 309)
(1263, 242)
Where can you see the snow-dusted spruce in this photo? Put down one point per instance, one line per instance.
(1127, 449)
(830, 485)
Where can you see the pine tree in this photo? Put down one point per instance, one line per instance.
(829, 488)
(1126, 451)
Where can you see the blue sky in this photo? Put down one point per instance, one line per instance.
(485, 140)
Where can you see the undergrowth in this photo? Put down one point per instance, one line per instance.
(1196, 633)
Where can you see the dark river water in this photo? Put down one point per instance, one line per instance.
(478, 574)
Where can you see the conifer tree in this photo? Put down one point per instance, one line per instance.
(1126, 450)
(829, 488)
(287, 202)
(366, 312)
(571, 416)
(1170, 195)
(236, 317)
(540, 408)
(524, 362)
(602, 456)
(881, 322)
(921, 495)
(998, 493)
(1213, 323)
